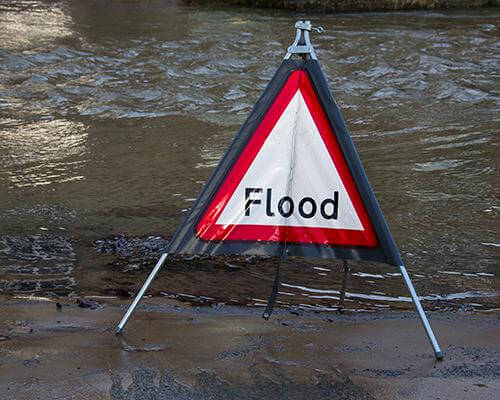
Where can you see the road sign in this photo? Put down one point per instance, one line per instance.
(291, 183)
(291, 177)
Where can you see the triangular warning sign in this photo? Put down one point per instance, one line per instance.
(291, 177)
(291, 182)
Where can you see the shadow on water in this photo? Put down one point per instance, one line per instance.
(112, 116)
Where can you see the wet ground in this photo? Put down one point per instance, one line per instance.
(173, 351)
(112, 118)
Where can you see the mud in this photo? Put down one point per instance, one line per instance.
(171, 350)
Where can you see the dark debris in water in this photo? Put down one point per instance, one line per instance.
(39, 263)
(151, 246)
(88, 303)
(132, 253)
(36, 247)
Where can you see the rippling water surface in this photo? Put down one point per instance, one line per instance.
(112, 117)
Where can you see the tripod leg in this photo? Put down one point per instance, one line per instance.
(139, 295)
(425, 322)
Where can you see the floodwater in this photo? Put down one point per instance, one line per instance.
(112, 116)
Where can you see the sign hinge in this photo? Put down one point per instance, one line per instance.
(302, 43)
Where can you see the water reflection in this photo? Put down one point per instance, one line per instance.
(42, 152)
(31, 24)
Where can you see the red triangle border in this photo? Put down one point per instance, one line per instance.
(208, 230)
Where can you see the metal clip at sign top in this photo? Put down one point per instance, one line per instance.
(302, 43)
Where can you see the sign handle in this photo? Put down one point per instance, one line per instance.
(421, 313)
(139, 295)
(302, 43)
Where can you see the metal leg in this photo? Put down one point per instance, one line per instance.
(139, 295)
(346, 270)
(421, 314)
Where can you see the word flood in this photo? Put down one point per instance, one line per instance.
(286, 206)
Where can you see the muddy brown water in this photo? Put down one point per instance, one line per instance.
(112, 116)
